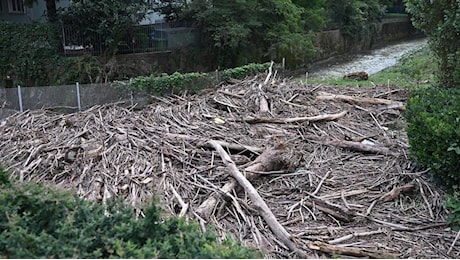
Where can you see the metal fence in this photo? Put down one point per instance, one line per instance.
(70, 98)
(139, 38)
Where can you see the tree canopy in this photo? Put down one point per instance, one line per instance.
(106, 21)
(241, 31)
(440, 20)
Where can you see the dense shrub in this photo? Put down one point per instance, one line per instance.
(433, 117)
(167, 84)
(28, 52)
(452, 204)
(244, 71)
(440, 21)
(178, 82)
(39, 222)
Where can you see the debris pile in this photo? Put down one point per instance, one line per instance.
(295, 170)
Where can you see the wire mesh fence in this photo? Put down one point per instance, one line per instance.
(139, 38)
(70, 98)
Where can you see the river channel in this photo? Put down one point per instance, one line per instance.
(371, 61)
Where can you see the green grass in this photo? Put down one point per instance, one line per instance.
(414, 70)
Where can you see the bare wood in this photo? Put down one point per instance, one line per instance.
(229, 94)
(183, 205)
(269, 160)
(355, 146)
(263, 105)
(326, 117)
(396, 105)
(350, 251)
(396, 191)
(350, 236)
(453, 243)
(259, 203)
(231, 146)
(329, 208)
(375, 101)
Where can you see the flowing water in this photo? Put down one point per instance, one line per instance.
(370, 62)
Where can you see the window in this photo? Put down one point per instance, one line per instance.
(16, 6)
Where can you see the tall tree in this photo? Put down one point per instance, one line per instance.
(440, 21)
(241, 31)
(51, 10)
(104, 23)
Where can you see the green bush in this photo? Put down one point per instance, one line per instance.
(167, 84)
(433, 117)
(244, 71)
(28, 52)
(441, 23)
(39, 222)
(452, 203)
(193, 82)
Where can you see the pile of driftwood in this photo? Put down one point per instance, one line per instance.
(292, 169)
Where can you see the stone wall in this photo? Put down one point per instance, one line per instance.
(332, 43)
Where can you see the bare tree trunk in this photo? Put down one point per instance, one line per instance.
(51, 11)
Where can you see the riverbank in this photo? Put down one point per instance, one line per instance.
(405, 64)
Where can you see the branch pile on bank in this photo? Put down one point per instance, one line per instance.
(295, 170)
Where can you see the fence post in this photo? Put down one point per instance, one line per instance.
(78, 97)
(131, 97)
(20, 99)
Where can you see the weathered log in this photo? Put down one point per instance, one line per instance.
(351, 99)
(355, 146)
(328, 208)
(204, 143)
(350, 251)
(359, 75)
(279, 231)
(326, 117)
(396, 191)
(269, 160)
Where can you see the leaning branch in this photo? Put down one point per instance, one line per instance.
(259, 203)
(326, 117)
(351, 99)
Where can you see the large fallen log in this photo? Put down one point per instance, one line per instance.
(270, 160)
(355, 146)
(326, 117)
(351, 99)
(349, 251)
(279, 231)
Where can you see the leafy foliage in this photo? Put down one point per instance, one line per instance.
(29, 56)
(167, 84)
(178, 82)
(441, 22)
(104, 21)
(433, 116)
(239, 32)
(28, 52)
(452, 203)
(243, 71)
(39, 222)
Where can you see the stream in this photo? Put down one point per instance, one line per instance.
(371, 61)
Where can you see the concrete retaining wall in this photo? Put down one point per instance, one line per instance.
(333, 43)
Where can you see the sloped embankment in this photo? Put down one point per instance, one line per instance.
(329, 166)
